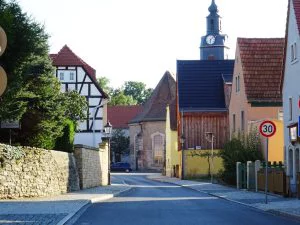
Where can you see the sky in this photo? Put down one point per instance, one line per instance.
(139, 40)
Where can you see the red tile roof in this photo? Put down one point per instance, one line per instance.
(119, 116)
(296, 4)
(66, 57)
(262, 63)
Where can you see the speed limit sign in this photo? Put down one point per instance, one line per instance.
(267, 128)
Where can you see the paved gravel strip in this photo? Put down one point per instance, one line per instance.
(49, 219)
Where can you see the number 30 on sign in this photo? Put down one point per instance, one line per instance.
(267, 128)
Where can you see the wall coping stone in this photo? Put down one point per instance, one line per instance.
(86, 147)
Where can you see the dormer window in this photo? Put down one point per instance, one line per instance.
(61, 76)
(293, 52)
(71, 76)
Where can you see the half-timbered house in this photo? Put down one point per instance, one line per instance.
(75, 74)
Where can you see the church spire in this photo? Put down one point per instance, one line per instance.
(213, 19)
(213, 43)
(213, 8)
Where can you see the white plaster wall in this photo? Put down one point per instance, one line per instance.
(95, 91)
(98, 124)
(80, 74)
(99, 113)
(82, 125)
(87, 79)
(85, 90)
(291, 88)
(71, 87)
(94, 101)
(87, 139)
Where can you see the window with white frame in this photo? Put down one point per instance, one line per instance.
(293, 52)
(61, 76)
(71, 76)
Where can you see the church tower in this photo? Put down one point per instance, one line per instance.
(212, 45)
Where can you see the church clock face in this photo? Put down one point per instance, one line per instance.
(210, 39)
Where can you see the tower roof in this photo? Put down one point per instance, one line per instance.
(213, 8)
(163, 95)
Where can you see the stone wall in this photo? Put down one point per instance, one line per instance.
(92, 165)
(33, 172)
(143, 154)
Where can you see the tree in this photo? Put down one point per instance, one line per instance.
(65, 142)
(44, 118)
(75, 106)
(119, 144)
(131, 93)
(118, 97)
(33, 94)
(242, 148)
(137, 90)
(104, 84)
(27, 41)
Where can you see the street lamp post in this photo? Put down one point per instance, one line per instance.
(107, 130)
(210, 137)
(182, 140)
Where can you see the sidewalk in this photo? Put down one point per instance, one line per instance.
(55, 209)
(276, 204)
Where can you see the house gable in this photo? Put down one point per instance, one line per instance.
(75, 74)
(262, 61)
(238, 99)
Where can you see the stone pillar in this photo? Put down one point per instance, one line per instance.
(257, 168)
(251, 178)
(105, 162)
(238, 165)
(92, 164)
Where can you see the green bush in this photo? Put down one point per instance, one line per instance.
(241, 148)
(66, 141)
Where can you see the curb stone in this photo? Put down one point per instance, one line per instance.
(71, 218)
(271, 211)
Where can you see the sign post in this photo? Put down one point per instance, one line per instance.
(267, 129)
(10, 125)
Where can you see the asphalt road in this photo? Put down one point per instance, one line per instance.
(156, 203)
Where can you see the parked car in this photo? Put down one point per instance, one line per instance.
(120, 166)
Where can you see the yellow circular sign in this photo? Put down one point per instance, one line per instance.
(3, 41)
(3, 80)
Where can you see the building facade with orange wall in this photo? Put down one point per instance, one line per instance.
(256, 86)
